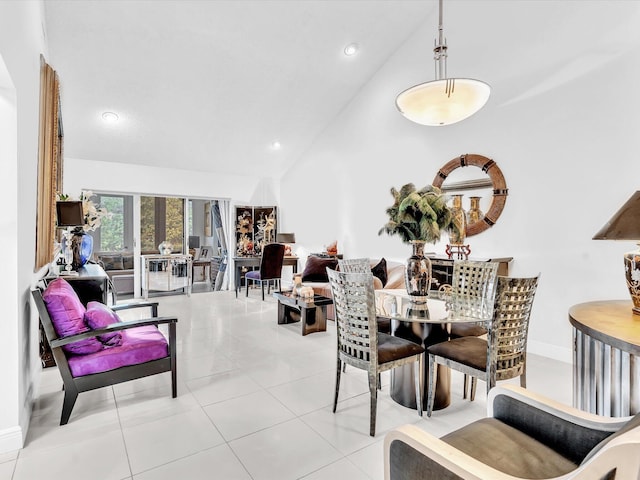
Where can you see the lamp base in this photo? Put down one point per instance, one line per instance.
(632, 274)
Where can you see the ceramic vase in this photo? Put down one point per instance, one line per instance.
(418, 273)
(460, 219)
(81, 248)
(474, 214)
(632, 273)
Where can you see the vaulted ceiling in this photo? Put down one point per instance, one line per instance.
(210, 85)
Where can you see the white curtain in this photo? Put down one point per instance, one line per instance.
(224, 230)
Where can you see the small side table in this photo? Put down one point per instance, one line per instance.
(310, 312)
(606, 365)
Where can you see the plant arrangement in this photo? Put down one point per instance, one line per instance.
(419, 214)
(93, 213)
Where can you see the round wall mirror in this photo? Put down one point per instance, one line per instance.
(483, 209)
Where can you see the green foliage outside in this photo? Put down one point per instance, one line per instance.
(150, 235)
(112, 228)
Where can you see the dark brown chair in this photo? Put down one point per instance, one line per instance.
(115, 364)
(270, 268)
(359, 343)
(363, 265)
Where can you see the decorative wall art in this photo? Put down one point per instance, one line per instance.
(255, 227)
(208, 232)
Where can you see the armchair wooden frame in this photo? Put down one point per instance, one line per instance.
(619, 458)
(75, 385)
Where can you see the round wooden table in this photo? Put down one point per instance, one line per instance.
(606, 366)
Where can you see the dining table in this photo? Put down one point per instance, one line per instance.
(425, 321)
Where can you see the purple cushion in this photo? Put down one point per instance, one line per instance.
(67, 315)
(254, 274)
(99, 315)
(139, 345)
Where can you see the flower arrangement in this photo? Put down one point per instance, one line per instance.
(419, 214)
(93, 213)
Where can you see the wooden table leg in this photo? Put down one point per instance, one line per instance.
(313, 319)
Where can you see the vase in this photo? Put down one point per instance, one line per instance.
(460, 220)
(81, 248)
(418, 273)
(474, 214)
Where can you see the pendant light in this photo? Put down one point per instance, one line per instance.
(443, 101)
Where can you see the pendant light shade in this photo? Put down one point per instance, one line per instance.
(431, 104)
(443, 101)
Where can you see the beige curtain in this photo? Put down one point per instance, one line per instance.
(49, 163)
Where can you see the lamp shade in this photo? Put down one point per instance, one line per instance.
(286, 238)
(625, 224)
(69, 213)
(443, 102)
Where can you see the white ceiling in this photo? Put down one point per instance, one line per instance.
(209, 85)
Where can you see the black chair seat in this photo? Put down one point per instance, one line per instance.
(470, 351)
(394, 348)
(384, 325)
(467, 330)
(509, 450)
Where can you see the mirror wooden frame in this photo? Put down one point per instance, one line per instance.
(496, 181)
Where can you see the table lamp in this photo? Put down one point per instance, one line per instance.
(625, 225)
(69, 214)
(287, 239)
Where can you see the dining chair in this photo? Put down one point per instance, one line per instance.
(359, 342)
(363, 265)
(472, 295)
(270, 268)
(503, 354)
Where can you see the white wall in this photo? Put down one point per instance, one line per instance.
(21, 42)
(82, 174)
(568, 155)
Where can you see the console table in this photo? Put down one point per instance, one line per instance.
(606, 358)
(243, 264)
(442, 268)
(166, 273)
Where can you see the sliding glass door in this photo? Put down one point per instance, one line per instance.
(161, 219)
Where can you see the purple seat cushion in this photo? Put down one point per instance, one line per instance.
(67, 315)
(253, 274)
(139, 345)
(98, 315)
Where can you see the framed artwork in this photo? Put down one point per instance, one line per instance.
(204, 253)
(255, 227)
(207, 220)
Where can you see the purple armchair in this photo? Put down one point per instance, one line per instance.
(93, 348)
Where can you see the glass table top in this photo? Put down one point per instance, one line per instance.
(437, 308)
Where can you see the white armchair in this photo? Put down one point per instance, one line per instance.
(524, 436)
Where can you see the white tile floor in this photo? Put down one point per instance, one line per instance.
(254, 402)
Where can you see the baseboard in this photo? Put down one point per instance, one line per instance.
(10, 439)
(562, 354)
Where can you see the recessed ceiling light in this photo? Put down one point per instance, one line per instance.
(110, 117)
(351, 49)
(275, 145)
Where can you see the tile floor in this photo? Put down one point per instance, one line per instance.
(254, 402)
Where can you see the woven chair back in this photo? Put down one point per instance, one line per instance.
(354, 265)
(508, 331)
(354, 302)
(473, 289)
(271, 261)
